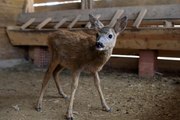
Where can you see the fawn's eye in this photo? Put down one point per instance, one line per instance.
(110, 36)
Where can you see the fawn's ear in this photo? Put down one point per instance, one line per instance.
(121, 24)
(95, 23)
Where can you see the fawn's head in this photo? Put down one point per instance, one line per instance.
(106, 36)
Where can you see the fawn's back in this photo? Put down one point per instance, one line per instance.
(76, 50)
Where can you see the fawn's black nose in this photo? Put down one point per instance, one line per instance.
(99, 45)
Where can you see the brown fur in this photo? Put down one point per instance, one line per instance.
(76, 50)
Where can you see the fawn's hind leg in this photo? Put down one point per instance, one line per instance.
(56, 72)
(47, 77)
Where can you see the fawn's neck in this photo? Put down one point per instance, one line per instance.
(100, 58)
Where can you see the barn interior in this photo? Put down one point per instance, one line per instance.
(141, 81)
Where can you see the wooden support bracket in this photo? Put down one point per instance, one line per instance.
(43, 23)
(139, 18)
(74, 22)
(117, 15)
(88, 25)
(168, 24)
(28, 23)
(60, 23)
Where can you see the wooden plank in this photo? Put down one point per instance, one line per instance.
(88, 25)
(139, 18)
(61, 22)
(160, 12)
(119, 3)
(29, 8)
(152, 39)
(28, 23)
(115, 17)
(43, 23)
(28, 38)
(74, 21)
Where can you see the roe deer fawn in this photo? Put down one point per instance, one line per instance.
(80, 51)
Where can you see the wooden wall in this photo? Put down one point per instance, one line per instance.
(102, 4)
(120, 3)
(9, 10)
(131, 64)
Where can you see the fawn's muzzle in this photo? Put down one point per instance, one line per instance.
(99, 45)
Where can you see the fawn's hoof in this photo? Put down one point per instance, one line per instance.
(66, 97)
(38, 109)
(70, 118)
(107, 109)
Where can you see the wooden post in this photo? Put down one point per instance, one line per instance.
(90, 4)
(29, 6)
(147, 63)
(83, 4)
(86, 4)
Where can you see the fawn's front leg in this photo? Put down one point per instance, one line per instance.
(75, 81)
(98, 86)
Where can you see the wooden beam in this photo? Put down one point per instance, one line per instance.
(151, 39)
(28, 38)
(158, 12)
(88, 25)
(115, 17)
(61, 22)
(28, 23)
(74, 21)
(43, 23)
(139, 18)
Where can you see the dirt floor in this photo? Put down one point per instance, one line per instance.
(130, 97)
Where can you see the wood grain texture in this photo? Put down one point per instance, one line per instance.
(10, 9)
(165, 12)
(122, 3)
(140, 17)
(155, 39)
